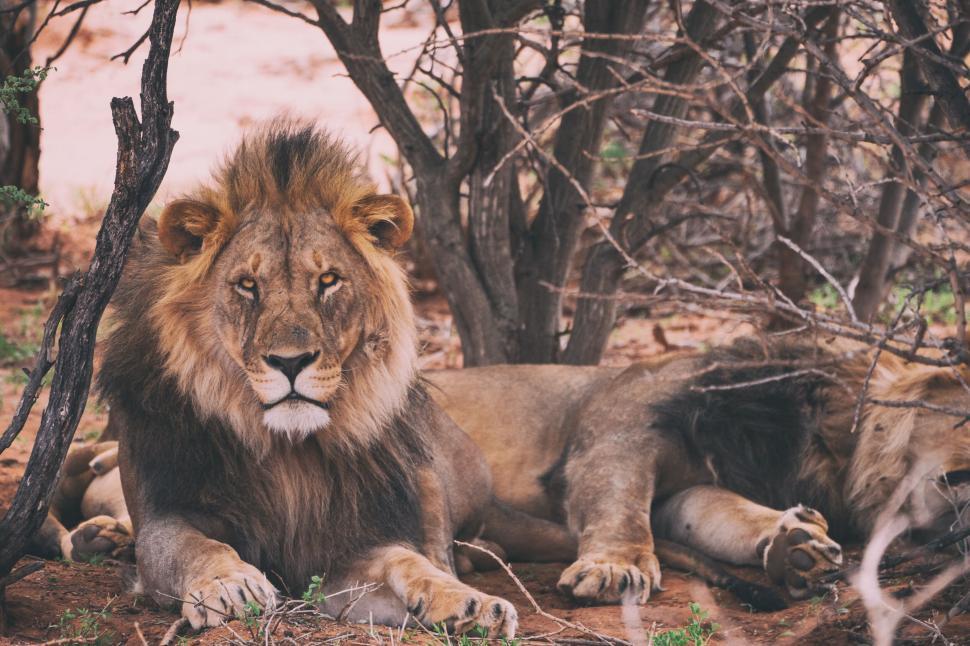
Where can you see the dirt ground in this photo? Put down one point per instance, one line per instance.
(219, 87)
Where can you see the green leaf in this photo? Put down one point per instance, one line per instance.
(13, 86)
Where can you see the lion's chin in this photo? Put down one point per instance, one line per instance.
(296, 420)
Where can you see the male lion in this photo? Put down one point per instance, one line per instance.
(720, 452)
(262, 380)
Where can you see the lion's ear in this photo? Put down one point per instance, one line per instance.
(183, 226)
(387, 217)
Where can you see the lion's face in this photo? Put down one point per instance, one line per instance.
(283, 311)
(290, 306)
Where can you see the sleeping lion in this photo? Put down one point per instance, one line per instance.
(746, 454)
(261, 374)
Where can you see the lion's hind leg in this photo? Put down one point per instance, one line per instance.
(106, 530)
(49, 540)
(90, 491)
(434, 597)
(793, 545)
(800, 551)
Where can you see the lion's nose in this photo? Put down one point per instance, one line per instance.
(291, 366)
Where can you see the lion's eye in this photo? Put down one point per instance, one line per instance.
(246, 286)
(328, 280)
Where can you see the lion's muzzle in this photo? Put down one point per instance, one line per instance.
(295, 392)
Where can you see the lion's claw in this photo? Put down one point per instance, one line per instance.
(610, 579)
(210, 602)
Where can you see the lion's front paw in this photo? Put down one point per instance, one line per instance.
(800, 551)
(598, 578)
(208, 602)
(461, 608)
(99, 536)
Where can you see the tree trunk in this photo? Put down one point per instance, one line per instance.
(909, 212)
(19, 159)
(770, 174)
(551, 243)
(792, 269)
(604, 265)
(489, 204)
(481, 336)
(884, 254)
(939, 78)
(871, 288)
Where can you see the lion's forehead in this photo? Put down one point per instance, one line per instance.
(274, 247)
(291, 314)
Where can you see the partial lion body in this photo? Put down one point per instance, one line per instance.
(671, 449)
(519, 416)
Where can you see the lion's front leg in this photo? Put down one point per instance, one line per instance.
(176, 562)
(434, 597)
(608, 510)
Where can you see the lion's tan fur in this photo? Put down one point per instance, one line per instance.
(861, 467)
(894, 443)
(329, 182)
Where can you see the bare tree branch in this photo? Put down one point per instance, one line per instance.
(144, 150)
(939, 77)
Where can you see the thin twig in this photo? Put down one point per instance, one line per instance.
(807, 257)
(140, 634)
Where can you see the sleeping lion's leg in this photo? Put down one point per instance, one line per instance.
(608, 510)
(432, 596)
(179, 564)
(89, 490)
(793, 545)
(91, 486)
(106, 529)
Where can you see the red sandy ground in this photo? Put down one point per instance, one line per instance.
(240, 64)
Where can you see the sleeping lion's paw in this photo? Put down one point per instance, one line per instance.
(602, 578)
(211, 600)
(99, 536)
(799, 551)
(461, 608)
